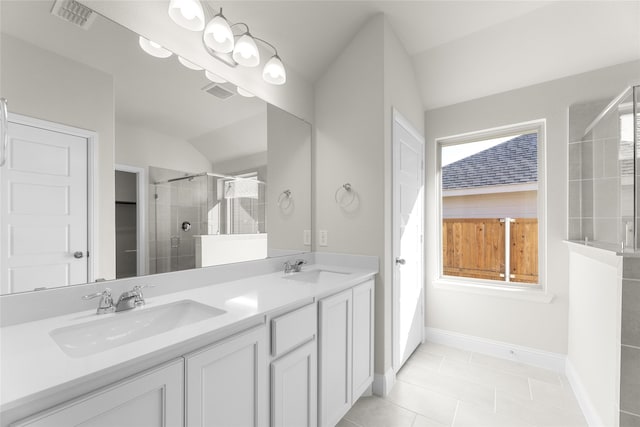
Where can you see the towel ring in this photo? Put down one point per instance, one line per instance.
(285, 195)
(341, 191)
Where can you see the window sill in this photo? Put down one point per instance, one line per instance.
(532, 295)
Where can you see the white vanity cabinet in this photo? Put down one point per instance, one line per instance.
(346, 350)
(226, 383)
(152, 398)
(294, 370)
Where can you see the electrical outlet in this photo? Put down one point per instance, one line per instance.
(306, 237)
(323, 238)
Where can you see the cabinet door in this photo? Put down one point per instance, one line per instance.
(335, 357)
(294, 388)
(363, 302)
(153, 398)
(227, 382)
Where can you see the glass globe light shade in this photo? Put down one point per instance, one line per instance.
(214, 77)
(190, 65)
(246, 52)
(153, 48)
(274, 71)
(244, 92)
(218, 35)
(187, 13)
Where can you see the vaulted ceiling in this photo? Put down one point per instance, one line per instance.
(461, 50)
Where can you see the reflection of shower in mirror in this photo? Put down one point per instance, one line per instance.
(193, 211)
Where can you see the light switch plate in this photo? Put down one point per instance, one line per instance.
(306, 237)
(323, 238)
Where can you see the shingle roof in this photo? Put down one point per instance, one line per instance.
(512, 162)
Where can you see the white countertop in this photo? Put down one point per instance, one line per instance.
(33, 367)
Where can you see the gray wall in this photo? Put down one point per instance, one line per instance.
(353, 113)
(528, 323)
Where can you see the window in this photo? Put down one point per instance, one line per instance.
(245, 208)
(491, 205)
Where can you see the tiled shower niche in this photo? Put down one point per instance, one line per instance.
(602, 171)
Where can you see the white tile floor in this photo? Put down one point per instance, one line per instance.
(444, 386)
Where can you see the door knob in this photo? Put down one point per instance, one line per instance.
(401, 261)
(78, 254)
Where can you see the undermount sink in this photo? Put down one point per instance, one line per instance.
(123, 328)
(316, 276)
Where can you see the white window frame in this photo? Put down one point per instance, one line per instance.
(536, 292)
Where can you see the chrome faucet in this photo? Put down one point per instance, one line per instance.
(294, 267)
(106, 301)
(131, 299)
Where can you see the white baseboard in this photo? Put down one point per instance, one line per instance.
(527, 355)
(592, 417)
(382, 384)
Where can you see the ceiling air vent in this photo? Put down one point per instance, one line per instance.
(219, 91)
(74, 12)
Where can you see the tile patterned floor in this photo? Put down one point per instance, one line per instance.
(443, 386)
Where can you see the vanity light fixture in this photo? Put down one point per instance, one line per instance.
(221, 42)
(244, 92)
(214, 77)
(190, 65)
(187, 13)
(153, 48)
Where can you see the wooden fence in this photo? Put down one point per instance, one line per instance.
(475, 247)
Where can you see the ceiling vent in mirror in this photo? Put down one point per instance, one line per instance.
(219, 90)
(74, 12)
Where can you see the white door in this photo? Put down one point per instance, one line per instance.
(43, 209)
(362, 363)
(227, 384)
(294, 388)
(335, 357)
(408, 219)
(152, 399)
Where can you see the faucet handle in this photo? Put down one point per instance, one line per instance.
(106, 301)
(297, 266)
(288, 267)
(139, 296)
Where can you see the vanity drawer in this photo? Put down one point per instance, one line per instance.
(292, 329)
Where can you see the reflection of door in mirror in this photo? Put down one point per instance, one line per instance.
(127, 207)
(44, 206)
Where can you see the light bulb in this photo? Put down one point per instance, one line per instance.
(153, 48)
(218, 35)
(274, 71)
(244, 92)
(246, 52)
(214, 77)
(187, 13)
(190, 65)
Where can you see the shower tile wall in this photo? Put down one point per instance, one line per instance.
(630, 344)
(170, 247)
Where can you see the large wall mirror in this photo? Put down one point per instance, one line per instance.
(120, 163)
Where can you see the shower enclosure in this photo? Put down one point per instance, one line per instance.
(603, 175)
(196, 216)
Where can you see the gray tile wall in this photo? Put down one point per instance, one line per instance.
(630, 340)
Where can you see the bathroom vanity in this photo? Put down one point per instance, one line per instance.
(269, 349)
